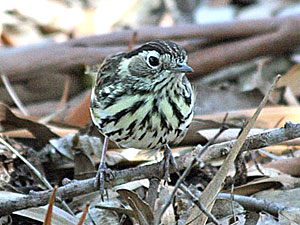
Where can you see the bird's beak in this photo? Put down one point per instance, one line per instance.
(182, 67)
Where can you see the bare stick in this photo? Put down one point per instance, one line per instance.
(251, 203)
(13, 94)
(231, 201)
(132, 41)
(256, 204)
(64, 96)
(256, 163)
(101, 173)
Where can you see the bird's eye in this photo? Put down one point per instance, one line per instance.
(153, 61)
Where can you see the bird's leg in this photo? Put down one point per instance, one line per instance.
(168, 161)
(103, 171)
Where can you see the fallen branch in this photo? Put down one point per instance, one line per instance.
(285, 39)
(249, 39)
(250, 203)
(76, 188)
(256, 204)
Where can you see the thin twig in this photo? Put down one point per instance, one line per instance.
(231, 201)
(82, 218)
(132, 41)
(64, 96)
(13, 94)
(48, 216)
(190, 195)
(270, 154)
(256, 163)
(54, 115)
(292, 152)
(27, 163)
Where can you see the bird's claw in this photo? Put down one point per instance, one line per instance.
(166, 163)
(103, 175)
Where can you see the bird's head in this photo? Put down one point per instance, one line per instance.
(156, 58)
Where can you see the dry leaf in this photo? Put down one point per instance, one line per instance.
(223, 208)
(23, 133)
(141, 209)
(80, 115)
(291, 79)
(198, 124)
(289, 216)
(269, 117)
(265, 183)
(90, 145)
(169, 215)
(227, 135)
(84, 165)
(289, 166)
(128, 212)
(265, 219)
(103, 212)
(255, 186)
(40, 131)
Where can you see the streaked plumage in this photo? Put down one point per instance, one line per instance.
(142, 99)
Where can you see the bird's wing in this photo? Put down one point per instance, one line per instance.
(108, 70)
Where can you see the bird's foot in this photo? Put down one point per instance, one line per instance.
(103, 175)
(167, 162)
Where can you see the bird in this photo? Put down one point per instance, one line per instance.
(142, 99)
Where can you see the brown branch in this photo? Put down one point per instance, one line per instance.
(220, 31)
(285, 39)
(25, 63)
(75, 188)
(272, 37)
